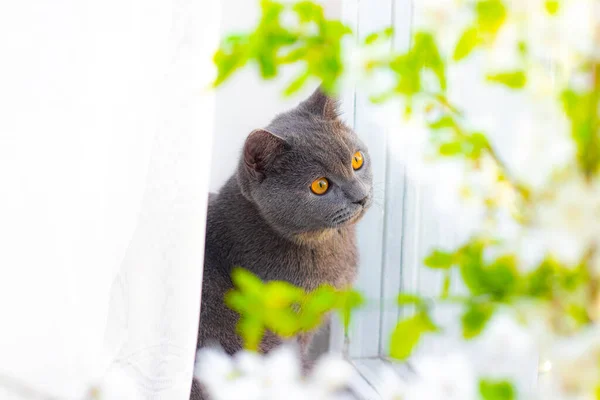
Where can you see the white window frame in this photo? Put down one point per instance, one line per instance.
(382, 246)
(398, 232)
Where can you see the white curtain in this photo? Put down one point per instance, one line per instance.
(105, 131)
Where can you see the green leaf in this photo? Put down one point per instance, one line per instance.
(347, 302)
(251, 330)
(280, 294)
(409, 67)
(309, 11)
(522, 47)
(237, 302)
(296, 84)
(513, 79)
(283, 322)
(372, 37)
(450, 149)
(491, 14)
(475, 318)
(444, 122)
(581, 108)
(282, 308)
(407, 299)
(552, 6)
(407, 74)
(446, 284)
(227, 64)
(271, 45)
(425, 54)
(466, 44)
(501, 277)
(407, 334)
(439, 260)
(570, 279)
(375, 36)
(496, 390)
(294, 55)
(476, 143)
(321, 300)
(498, 279)
(578, 314)
(247, 282)
(316, 305)
(539, 283)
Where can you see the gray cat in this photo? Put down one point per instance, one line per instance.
(288, 213)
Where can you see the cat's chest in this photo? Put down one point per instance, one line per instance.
(333, 261)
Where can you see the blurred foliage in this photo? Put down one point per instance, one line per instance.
(496, 390)
(492, 285)
(283, 308)
(411, 68)
(301, 35)
(582, 110)
(475, 318)
(308, 38)
(513, 79)
(489, 15)
(408, 332)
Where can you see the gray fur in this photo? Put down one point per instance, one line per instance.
(267, 220)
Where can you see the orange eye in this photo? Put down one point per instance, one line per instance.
(320, 186)
(357, 160)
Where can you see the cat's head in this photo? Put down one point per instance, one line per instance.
(307, 172)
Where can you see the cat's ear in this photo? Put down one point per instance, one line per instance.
(260, 150)
(321, 104)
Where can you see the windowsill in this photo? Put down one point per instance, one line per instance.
(368, 370)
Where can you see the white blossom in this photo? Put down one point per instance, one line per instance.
(448, 377)
(504, 54)
(573, 367)
(506, 350)
(563, 218)
(542, 145)
(579, 26)
(332, 373)
(277, 375)
(446, 18)
(559, 224)
(372, 81)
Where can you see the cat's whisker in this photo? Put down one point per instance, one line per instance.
(379, 206)
(337, 214)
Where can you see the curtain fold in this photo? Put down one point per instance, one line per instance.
(105, 122)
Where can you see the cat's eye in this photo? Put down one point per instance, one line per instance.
(319, 186)
(357, 160)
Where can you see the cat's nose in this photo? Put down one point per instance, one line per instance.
(362, 201)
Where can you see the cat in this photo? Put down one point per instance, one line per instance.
(288, 213)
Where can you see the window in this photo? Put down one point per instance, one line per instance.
(402, 227)
(398, 230)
